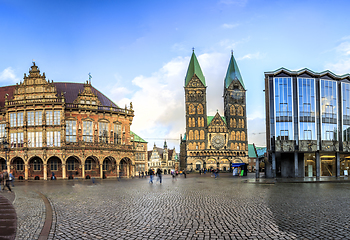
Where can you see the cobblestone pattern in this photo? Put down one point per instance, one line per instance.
(185, 209)
(30, 210)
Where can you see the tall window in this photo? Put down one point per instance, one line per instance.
(328, 110)
(283, 108)
(35, 139)
(54, 165)
(30, 118)
(346, 111)
(71, 131)
(103, 132)
(307, 109)
(87, 131)
(16, 140)
(117, 133)
(53, 138)
(56, 117)
(38, 118)
(70, 165)
(19, 165)
(16, 119)
(88, 165)
(49, 118)
(36, 165)
(3, 134)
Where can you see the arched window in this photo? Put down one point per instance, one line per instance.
(200, 109)
(203, 146)
(189, 122)
(239, 123)
(242, 136)
(191, 109)
(237, 136)
(242, 123)
(231, 123)
(201, 135)
(193, 122)
(240, 146)
(233, 135)
(232, 146)
(243, 146)
(232, 110)
(190, 135)
(234, 123)
(240, 111)
(196, 135)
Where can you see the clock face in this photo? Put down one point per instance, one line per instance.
(218, 141)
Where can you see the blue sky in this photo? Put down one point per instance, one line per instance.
(138, 51)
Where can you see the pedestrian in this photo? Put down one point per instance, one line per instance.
(150, 173)
(12, 179)
(1, 180)
(159, 174)
(53, 176)
(185, 173)
(6, 180)
(142, 174)
(200, 171)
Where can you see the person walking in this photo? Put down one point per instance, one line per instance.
(142, 174)
(12, 179)
(159, 173)
(185, 173)
(150, 173)
(6, 180)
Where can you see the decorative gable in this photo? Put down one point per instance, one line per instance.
(87, 97)
(217, 124)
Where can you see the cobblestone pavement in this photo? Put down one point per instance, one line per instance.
(198, 207)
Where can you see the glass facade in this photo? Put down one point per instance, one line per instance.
(346, 111)
(307, 109)
(328, 110)
(283, 92)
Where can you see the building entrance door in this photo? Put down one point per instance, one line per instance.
(309, 170)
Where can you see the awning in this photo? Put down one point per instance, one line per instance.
(238, 164)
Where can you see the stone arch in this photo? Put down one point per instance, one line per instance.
(54, 167)
(92, 167)
(109, 167)
(18, 167)
(125, 167)
(73, 167)
(3, 164)
(36, 168)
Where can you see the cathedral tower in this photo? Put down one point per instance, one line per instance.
(196, 106)
(235, 107)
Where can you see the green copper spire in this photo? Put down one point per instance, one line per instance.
(233, 73)
(194, 68)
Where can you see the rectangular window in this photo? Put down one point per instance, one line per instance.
(53, 138)
(70, 165)
(16, 140)
(346, 111)
(20, 119)
(36, 165)
(329, 121)
(38, 139)
(19, 165)
(307, 102)
(38, 118)
(87, 131)
(117, 133)
(30, 118)
(103, 132)
(13, 122)
(3, 134)
(71, 131)
(34, 139)
(54, 165)
(49, 118)
(57, 118)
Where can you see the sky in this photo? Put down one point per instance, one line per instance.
(139, 51)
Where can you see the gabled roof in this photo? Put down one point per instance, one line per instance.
(310, 72)
(70, 89)
(137, 138)
(194, 68)
(210, 118)
(251, 151)
(233, 73)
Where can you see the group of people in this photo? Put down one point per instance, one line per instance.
(158, 173)
(5, 180)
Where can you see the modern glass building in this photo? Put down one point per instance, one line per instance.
(307, 123)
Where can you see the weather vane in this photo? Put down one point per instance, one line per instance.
(90, 77)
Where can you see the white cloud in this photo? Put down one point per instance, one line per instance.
(8, 75)
(343, 64)
(251, 56)
(229, 26)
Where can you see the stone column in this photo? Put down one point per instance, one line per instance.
(117, 170)
(257, 169)
(101, 171)
(26, 171)
(273, 165)
(45, 171)
(296, 165)
(318, 164)
(64, 171)
(337, 159)
(83, 171)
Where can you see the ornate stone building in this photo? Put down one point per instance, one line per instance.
(163, 158)
(69, 129)
(214, 141)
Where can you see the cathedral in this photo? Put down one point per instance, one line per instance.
(212, 142)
